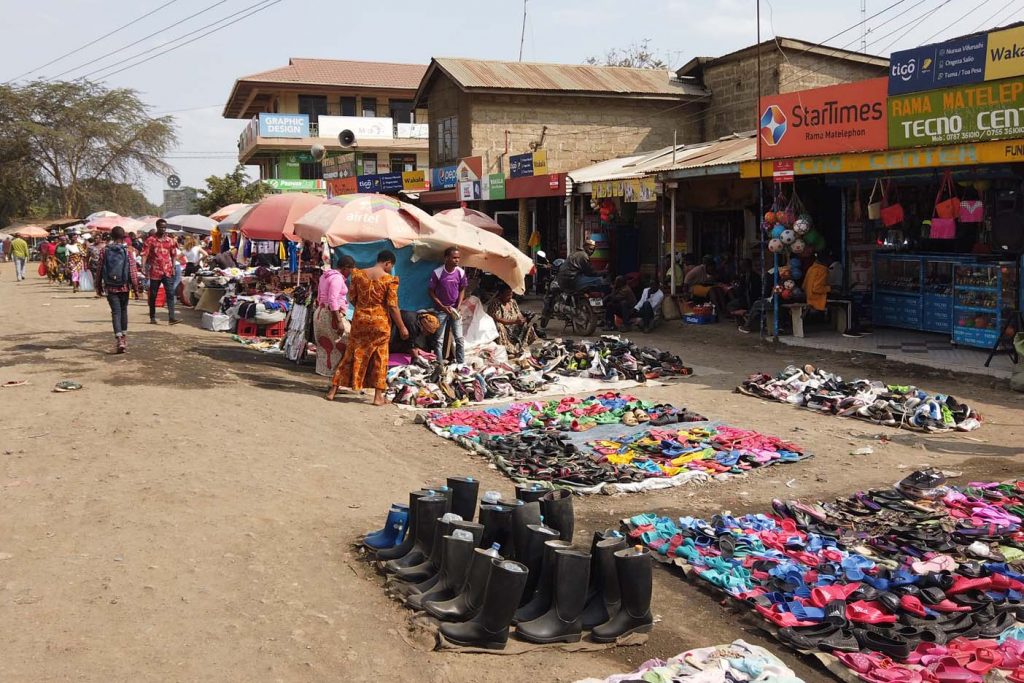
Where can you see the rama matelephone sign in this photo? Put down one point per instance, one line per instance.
(839, 118)
(975, 113)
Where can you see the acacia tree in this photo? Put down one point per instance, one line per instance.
(231, 188)
(79, 133)
(637, 56)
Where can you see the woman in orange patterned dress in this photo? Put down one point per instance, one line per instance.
(374, 293)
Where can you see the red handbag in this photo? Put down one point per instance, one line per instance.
(892, 214)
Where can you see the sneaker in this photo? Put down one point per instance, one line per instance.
(122, 345)
(152, 321)
(174, 321)
(852, 335)
(743, 330)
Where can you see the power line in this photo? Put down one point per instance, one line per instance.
(92, 42)
(133, 44)
(916, 24)
(259, 7)
(179, 111)
(954, 23)
(993, 16)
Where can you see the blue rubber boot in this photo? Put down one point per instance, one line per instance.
(393, 531)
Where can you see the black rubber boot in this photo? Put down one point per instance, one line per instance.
(541, 599)
(431, 566)
(464, 493)
(556, 507)
(523, 516)
(467, 603)
(633, 566)
(603, 596)
(497, 526)
(533, 557)
(428, 509)
(406, 545)
(529, 493)
(562, 622)
(489, 628)
(474, 528)
(457, 554)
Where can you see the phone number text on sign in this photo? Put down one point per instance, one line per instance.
(991, 111)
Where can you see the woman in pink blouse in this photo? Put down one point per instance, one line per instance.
(330, 326)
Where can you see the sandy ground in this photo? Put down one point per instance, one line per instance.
(188, 514)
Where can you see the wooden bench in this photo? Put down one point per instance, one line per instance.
(839, 310)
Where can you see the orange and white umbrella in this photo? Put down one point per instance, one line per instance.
(225, 211)
(273, 218)
(366, 217)
(477, 219)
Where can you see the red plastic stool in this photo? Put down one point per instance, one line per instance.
(247, 328)
(274, 331)
(161, 298)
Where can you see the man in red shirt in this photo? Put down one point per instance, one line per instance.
(158, 257)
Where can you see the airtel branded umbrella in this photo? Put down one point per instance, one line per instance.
(363, 217)
(475, 218)
(191, 222)
(225, 211)
(479, 249)
(273, 218)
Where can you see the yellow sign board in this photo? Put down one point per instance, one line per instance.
(899, 160)
(414, 180)
(540, 162)
(631, 190)
(1005, 54)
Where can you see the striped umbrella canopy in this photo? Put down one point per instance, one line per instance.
(273, 218)
(107, 223)
(363, 217)
(225, 211)
(475, 218)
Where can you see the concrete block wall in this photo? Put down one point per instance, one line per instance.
(804, 70)
(580, 130)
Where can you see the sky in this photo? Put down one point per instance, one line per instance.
(193, 79)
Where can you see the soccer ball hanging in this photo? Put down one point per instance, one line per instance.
(787, 237)
(802, 226)
(798, 247)
(775, 246)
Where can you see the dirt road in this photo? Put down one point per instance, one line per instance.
(188, 514)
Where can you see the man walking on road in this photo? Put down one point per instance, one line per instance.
(19, 250)
(119, 274)
(158, 259)
(447, 288)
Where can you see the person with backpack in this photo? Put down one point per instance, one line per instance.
(119, 275)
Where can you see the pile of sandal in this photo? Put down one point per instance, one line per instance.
(609, 357)
(715, 450)
(429, 385)
(901, 406)
(738, 661)
(921, 582)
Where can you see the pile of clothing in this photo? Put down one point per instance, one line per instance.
(648, 442)
(738, 662)
(488, 375)
(919, 582)
(892, 405)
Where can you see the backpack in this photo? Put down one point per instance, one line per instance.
(116, 271)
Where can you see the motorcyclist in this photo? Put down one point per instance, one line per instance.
(577, 274)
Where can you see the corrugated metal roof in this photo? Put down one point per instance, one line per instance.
(726, 151)
(341, 72)
(479, 74)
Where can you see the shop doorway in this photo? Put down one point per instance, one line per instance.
(717, 233)
(509, 222)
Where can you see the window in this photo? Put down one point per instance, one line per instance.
(369, 106)
(311, 171)
(369, 164)
(402, 111)
(313, 105)
(348, 106)
(448, 139)
(403, 162)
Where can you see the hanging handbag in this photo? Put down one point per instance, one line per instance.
(875, 205)
(950, 207)
(892, 214)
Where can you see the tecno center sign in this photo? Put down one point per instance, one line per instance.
(974, 113)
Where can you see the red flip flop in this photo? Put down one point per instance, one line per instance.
(865, 612)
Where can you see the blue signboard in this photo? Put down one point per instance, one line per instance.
(954, 62)
(443, 178)
(520, 165)
(284, 125)
(390, 182)
(368, 183)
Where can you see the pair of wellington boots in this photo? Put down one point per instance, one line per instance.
(607, 592)
(459, 497)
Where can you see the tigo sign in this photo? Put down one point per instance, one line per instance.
(839, 118)
(284, 125)
(975, 113)
(953, 62)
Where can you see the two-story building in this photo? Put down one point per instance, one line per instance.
(370, 105)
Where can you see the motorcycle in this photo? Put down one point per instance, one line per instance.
(581, 308)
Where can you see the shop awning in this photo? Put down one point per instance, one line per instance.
(717, 157)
